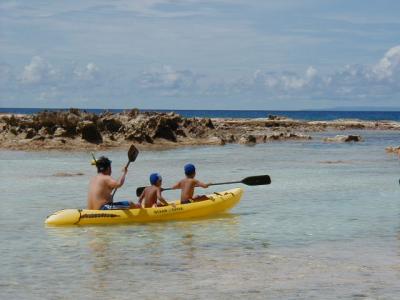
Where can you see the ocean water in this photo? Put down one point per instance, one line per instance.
(328, 227)
(303, 115)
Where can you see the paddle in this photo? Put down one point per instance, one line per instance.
(252, 180)
(133, 152)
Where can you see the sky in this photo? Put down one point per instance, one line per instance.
(195, 54)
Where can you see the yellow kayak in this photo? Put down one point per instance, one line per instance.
(217, 203)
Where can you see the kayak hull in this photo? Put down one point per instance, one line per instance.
(218, 202)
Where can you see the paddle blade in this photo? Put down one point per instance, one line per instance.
(257, 180)
(133, 152)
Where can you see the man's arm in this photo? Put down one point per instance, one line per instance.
(114, 184)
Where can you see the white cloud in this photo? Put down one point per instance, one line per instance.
(359, 84)
(167, 78)
(271, 81)
(291, 82)
(388, 66)
(311, 72)
(284, 81)
(41, 80)
(89, 72)
(37, 71)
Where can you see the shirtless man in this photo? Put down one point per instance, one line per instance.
(102, 185)
(188, 184)
(152, 193)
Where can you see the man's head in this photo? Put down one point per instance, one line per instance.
(190, 170)
(103, 165)
(155, 179)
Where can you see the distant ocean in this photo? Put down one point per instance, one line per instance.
(304, 115)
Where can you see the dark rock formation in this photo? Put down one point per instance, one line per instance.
(343, 139)
(353, 138)
(90, 132)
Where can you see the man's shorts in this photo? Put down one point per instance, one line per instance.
(116, 205)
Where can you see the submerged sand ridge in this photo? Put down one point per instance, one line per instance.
(77, 130)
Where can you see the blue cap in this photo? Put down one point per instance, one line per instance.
(189, 169)
(154, 178)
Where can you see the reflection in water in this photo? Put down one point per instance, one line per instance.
(398, 242)
(140, 253)
(100, 258)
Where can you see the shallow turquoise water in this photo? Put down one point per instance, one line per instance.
(327, 227)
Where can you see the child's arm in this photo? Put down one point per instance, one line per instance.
(202, 184)
(161, 198)
(177, 186)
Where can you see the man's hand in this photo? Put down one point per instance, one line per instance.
(125, 169)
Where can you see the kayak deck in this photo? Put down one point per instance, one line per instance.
(218, 202)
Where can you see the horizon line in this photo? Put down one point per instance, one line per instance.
(333, 109)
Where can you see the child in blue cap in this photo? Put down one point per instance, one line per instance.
(152, 193)
(188, 184)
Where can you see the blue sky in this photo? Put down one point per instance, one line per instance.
(192, 54)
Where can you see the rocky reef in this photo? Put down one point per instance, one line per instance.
(76, 129)
(79, 129)
(343, 139)
(394, 150)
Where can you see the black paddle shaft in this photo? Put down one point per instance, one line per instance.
(252, 180)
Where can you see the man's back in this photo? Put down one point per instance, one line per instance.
(100, 189)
